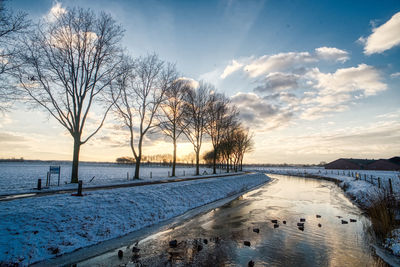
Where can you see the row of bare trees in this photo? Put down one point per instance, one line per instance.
(74, 65)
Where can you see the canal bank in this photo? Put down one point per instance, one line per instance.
(49, 226)
(241, 232)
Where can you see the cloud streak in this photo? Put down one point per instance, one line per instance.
(332, 54)
(383, 37)
(281, 62)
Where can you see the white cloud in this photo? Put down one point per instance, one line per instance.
(55, 11)
(363, 78)
(193, 83)
(383, 37)
(278, 62)
(315, 112)
(332, 53)
(231, 68)
(283, 62)
(395, 75)
(336, 91)
(291, 86)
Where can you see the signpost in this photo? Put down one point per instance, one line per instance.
(55, 170)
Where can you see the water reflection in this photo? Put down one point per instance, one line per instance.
(217, 237)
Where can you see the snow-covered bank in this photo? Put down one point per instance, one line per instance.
(38, 228)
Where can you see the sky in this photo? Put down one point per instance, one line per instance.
(313, 80)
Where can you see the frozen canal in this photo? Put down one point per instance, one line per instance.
(216, 238)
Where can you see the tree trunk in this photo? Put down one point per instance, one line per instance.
(227, 165)
(137, 167)
(197, 162)
(215, 161)
(174, 160)
(75, 160)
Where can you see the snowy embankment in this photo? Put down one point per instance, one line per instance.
(35, 229)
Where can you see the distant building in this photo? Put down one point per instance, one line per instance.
(392, 164)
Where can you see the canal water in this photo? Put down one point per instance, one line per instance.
(217, 238)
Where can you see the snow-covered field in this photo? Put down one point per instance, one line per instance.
(37, 228)
(16, 177)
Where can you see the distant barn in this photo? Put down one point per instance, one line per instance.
(349, 164)
(392, 164)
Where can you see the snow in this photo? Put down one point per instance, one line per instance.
(21, 177)
(34, 229)
(393, 242)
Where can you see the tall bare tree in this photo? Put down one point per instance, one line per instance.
(171, 119)
(68, 64)
(242, 143)
(12, 25)
(196, 105)
(142, 92)
(220, 114)
(227, 145)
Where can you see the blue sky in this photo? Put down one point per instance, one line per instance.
(315, 80)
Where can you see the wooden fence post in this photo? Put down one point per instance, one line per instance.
(39, 184)
(79, 188)
(390, 186)
(379, 182)
(48, 179)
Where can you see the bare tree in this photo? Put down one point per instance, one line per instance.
(237, 143)
(171, 120)
(220, 115)
(197, 100)
(227, 144)
(244, 143)
(142, 92)
(68, 64)
(12, 25)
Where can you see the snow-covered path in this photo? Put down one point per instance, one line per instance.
(74, 187)
(35, 229)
